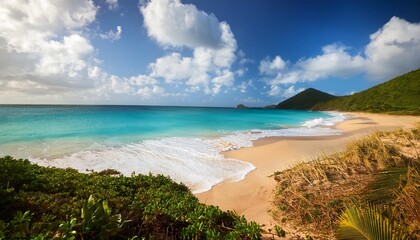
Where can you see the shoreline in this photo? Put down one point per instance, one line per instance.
(205, 153)
(253, 195)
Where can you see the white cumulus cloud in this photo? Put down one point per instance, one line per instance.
(278, 91)
(112, 4)
(334, 62)
(66, 57)
(44, 36)
(46, 57)
(394, 49)
(269, 67)
(174, 24)
(141, 86)
(46, 54)
(244, 85)
(111, 35)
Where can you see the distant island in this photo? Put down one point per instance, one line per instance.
(241, 106)
(400, 95)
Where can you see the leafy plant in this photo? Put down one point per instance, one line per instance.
(21, 223)
(67, 230)
(97, 219)
(279, 231)
(368, 223)
(3, 230)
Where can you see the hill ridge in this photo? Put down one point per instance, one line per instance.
(400, 95)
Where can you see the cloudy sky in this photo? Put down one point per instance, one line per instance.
(200, 52)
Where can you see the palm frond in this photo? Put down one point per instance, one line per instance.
(368, 223)
(386, 185)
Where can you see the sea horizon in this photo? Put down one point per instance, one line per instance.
(119, 105)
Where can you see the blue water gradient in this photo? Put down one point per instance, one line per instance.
(181, 142)
(125, 124)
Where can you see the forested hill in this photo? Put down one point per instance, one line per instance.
(400, 95)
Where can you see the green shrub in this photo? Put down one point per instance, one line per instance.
(60, 203)
(279, 231)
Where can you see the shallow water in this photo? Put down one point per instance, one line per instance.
(181, 142)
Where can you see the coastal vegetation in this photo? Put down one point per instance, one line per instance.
(370, 189)
(49, 203)
(400, 95)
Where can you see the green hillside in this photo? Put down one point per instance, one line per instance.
(305, 100)
(400, 95)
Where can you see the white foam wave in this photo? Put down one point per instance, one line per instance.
(193, 161)
(331, 121)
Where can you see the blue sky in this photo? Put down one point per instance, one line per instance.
(200, 52)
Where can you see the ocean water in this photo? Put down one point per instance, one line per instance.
(184, 143)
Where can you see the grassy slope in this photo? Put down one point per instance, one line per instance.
(400, 95)
(382, 169)
(305, 100)
(155, 207)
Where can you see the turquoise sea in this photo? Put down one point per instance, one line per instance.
(182, 142)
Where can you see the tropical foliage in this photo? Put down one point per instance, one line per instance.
(49, 203)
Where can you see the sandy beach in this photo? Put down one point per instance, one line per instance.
(252, 196)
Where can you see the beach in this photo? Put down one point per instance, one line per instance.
(253, 195)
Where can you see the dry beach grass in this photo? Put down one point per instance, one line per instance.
(313, 195)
